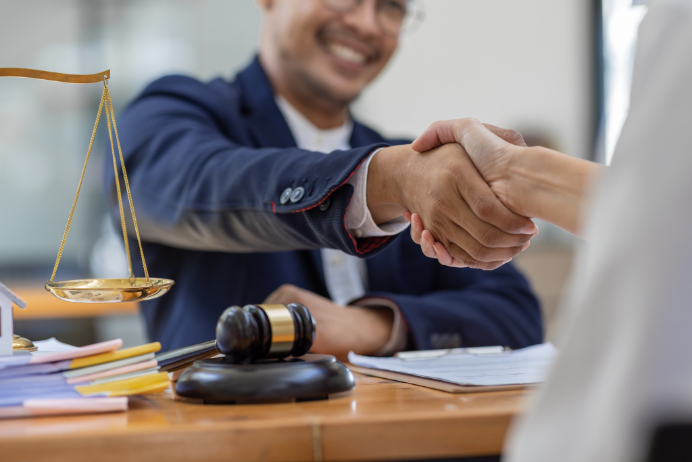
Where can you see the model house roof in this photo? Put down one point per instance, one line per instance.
(12, 296)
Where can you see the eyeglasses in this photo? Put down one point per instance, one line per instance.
(393, 16)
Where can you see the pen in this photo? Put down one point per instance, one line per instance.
(431, 354)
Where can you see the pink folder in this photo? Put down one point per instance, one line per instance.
(65, 406)
(117, 371)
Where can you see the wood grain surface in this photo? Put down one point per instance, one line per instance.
(379, 420)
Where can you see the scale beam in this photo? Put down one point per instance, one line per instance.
(54, 76)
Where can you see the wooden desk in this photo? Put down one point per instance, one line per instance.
(379, 420)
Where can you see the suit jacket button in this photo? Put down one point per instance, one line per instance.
(325, 205)
(297, 194)
(285, 196)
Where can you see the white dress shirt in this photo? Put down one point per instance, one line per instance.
(626, 354)
(346, 276)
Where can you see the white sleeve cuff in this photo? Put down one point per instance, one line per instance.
(358, 219)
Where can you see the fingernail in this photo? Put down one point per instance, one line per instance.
(506, 261)
(423, 242)
(529, 229)
(525, 246)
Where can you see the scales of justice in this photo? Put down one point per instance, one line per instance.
(129, 289)
(266, 347)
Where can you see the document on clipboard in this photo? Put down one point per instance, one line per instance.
(464, 372)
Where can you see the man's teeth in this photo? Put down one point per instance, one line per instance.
(346, 53)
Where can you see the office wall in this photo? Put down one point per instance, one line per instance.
(522, 64)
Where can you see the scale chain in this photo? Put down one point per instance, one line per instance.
(117, 187)
(79, 187)
(109, 107)
(110, 116)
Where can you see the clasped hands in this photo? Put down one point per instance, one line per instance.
(453, 185)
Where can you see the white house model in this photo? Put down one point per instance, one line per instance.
(7, 297)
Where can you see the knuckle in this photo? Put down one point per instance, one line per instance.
(489, 266)
(286, 289)
(437, 225)
(462, 256)
(514, 137)
(438, 201)
(491, 237)
(480, 253)
(471, 121)
(474, 264)
(484, 207)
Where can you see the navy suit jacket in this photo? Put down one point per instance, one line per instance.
(207, 163)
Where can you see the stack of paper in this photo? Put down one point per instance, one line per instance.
(519, 367)
(94, 378)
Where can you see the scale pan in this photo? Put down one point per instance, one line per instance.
(109, 290)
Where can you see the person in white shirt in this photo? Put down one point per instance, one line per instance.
(624, 366)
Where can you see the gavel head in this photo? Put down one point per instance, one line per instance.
(256, 332)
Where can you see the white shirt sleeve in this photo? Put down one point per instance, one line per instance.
(624, 365)
(358, 219)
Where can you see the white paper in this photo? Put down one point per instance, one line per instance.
(52, 345)
(518, 367)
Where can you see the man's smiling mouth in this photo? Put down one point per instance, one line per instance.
(346, 53)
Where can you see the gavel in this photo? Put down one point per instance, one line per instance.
(256, 332)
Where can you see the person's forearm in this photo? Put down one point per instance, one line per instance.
(383, 202)
(551, 186)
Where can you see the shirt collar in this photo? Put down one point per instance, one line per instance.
(308, 136)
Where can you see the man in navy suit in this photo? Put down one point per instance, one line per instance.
(265, 189)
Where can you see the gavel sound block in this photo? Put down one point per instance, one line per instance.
(265, 359)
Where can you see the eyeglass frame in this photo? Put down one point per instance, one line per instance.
(417, 14)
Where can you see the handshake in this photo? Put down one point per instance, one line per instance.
(470, 190)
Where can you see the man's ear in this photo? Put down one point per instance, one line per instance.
(265, 5)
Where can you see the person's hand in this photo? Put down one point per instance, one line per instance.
(340, 329)
(453, 131)
(492, 149)
(533, 182)
(433, 249)
(453, 200)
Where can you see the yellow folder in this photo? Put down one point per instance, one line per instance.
(115, 355)
(132, 386)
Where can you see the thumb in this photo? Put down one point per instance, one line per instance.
(437, 134)
(511, 136)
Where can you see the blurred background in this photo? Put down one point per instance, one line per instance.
(558, 72)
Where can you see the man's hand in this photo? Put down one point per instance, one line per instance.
(340, 329)
(493, 151)
(532, 182)
(453, 200)
(453, 131)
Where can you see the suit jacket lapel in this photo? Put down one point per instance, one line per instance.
(265, 121)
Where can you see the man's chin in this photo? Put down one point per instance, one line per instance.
(339, 94)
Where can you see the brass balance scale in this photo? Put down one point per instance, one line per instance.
(133, 288)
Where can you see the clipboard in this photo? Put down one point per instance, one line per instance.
(435, 384)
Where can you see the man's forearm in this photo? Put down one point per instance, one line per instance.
(551, 186)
